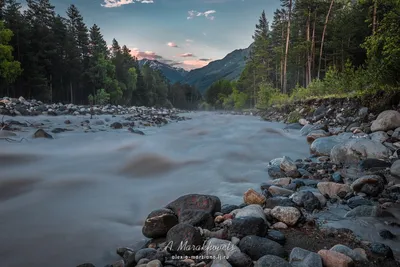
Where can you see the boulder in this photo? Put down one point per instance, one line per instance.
(335, 259)
(386, 120)
(271, 261)
(287, 215)
(355, 150)
(253, 197)
(208, 203)
(256, 247)
(333, 189)
(158, 223)
(323, 146)
(372, 185)
(303, 258)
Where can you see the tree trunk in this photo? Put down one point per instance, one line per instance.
(374, 24)
(71, 92)
(323, 37)
(309, 51)
(287, 48)
(313, 46)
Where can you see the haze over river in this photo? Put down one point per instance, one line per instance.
(78, 197)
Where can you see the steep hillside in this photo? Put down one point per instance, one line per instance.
(229, 68)
(171, 73)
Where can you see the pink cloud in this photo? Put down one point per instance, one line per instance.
(187, 55)
(146, 54)
(172, 44)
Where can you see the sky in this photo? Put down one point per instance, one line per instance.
(183, 33)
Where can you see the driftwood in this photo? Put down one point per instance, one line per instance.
(4, 125)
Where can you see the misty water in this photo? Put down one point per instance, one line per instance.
(78, 197)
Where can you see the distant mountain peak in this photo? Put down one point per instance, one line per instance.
(229, 68)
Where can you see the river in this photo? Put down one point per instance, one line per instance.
(78, 197)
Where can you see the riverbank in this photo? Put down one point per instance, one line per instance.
(289, 207)
(354, 167)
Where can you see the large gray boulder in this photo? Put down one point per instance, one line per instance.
(386, 120)
(355, 150)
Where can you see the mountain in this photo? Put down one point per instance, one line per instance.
(171, 73)
(228, 68)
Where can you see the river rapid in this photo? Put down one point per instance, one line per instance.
(78, 197)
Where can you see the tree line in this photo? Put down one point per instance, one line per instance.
(48, 57)
(315, 48)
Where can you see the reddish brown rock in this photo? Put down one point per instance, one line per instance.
(253, 197)
(335, 259)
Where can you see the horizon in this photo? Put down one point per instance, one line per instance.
(196, 33)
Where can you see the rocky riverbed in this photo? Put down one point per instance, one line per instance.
(311, 212)
(353, 168)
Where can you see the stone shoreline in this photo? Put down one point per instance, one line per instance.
(354, 162)
(356, 165)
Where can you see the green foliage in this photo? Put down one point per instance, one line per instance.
(100, 98)
(225, 94)
(9, 68)
(293, 117)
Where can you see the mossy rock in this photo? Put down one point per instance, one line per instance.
(293, 117)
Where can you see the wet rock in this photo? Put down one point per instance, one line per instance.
(279, 191)
(240, 259)
(354, 255)
(228, 208)
(288, 166)
(282, 181)
(379, 136)
(182, 233)
(256, 247)
(208, 203)
(154, 263)
(250, 211)
(372, 185)
(135, 131)
(253, 197)
(355, 150)
(356, 201)
(279, 225)
(116, 125)
(310, 201)
(245, 226)
(198, 218)
(288, 215)
(315, 135)
(276, 236)
(395, 168)
(145, 253)
(275, 172)
(335, 259)
(386, 120)
(362, 211)
(215, 247)
(303, 258)
(86, 265)
(332, 189)
(279, 201)
(381, 249)
(271, 261)
(386, 234)
(375, 164)
(40, 133)
(158, 223)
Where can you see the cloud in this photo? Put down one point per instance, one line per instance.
(207, 14)
(187, 55)
(146, 54)
(172, 44)
(118, 3)
(205, 59)
(189, 41)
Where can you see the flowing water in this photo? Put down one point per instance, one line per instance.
(77, 197)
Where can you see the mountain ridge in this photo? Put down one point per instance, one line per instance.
(229, 68)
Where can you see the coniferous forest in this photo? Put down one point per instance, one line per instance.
(318, 48)
(56, 58)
